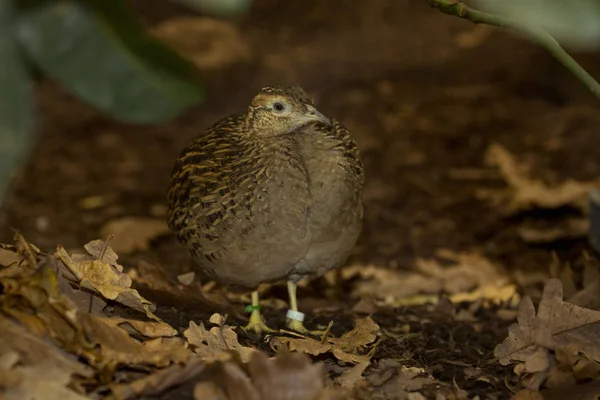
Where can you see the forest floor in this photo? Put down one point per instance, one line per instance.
(478, 150)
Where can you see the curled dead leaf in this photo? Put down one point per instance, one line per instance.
(117, 347)
(524, 193)
(34, 368)
(557, 323)
(151, 329)
(353, 376)
(355, 346)
(104, 279)
(211, 344)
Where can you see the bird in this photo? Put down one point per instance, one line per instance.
(270, 194)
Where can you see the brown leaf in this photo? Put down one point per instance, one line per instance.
(134, 233)
(524, 193)
(103, 278)
(349, 347)
(355, 346)
(42, 381)
(208, 391)
(26, 250)
(83, 300)
(352, 376)
(288, 376)
(588, 296)
(8, 257)
(570, 228)
(210, 344)
(557, 323)
(44, 371)
(538, 361)
(98, 248)
(159, 381)
(390, 380)
(306, 345)
(151, 329)
(117, 347)
(151, 278)
(467, 272)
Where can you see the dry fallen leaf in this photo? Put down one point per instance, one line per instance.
(588, 296)
(570, 228)
(8, 257)
(355, 346)
(151, 329)
(101, 277)
(42, 381)
(352, 376)
(469, 274)
(153, 278)
(134, 233)
(44, 371)
(159, 381)
(117, 347)
(287, 376)
(208, 390)
(556, 324)
(524, 193)
(100, 250)
(211, 344)
(391, 380)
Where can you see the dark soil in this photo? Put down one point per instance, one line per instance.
(424, 93)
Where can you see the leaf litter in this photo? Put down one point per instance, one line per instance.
(52, 347)
(355, 346)
(558, 345)
(50, 340)
(463, 276)
(525, 193)
(104, 277)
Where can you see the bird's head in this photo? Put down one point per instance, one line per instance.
(277, 110)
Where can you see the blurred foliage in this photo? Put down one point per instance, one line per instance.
(222, 8)
(573, 23)
(16, 111)
(98, 50)
(542, 21)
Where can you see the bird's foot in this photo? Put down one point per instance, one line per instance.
(257, 325)
(298, 326)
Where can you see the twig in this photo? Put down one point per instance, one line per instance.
(543, 38)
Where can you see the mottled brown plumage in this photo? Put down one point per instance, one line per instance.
(271, 194)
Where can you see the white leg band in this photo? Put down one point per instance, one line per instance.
(295, 315)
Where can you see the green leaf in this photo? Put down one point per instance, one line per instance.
(221, 8)
(573, 23)
(99, 50)
(17, 134)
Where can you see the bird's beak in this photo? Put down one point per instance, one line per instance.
(314, 115)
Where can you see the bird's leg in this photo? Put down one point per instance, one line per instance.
(256, 322)
(295, 317)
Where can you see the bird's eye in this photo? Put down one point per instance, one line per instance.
(278, 106)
